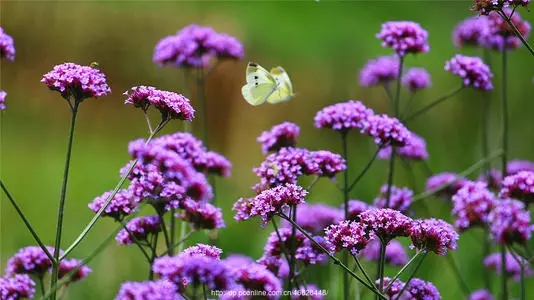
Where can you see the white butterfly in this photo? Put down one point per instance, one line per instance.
(273, 87)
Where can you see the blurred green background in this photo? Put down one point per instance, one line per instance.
(322, 45)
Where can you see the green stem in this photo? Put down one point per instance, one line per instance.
(381, 264)
(403, 269)
(292, 264)
(188, 126)
(486, 247)
(360, 267)
(61, 209)
(365, 169)
(521, 274)
(516, 31)
(411, 276)
(345, 153)
(283, 249)
(202, 106)
(504, 279)
(504, 112)
(180, 243)
(397, 91)
(136, 241)
(458, 275)
(153, 255)
(95, 218)
(391, 171)
(432, 104)
(473, 168)
(26, 222)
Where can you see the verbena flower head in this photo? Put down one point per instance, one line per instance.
(194, 46)
(396, 254)
(185, 270)
(416, 79)
(281, 135)
(123, 204)
(415, 150)
(256, 277)
(386, 223)
(484, 7)
(329, 164)
(420, 289)
(68, 265)
(513, 266)
(7, 47)
(238, 260)
(30, 260)
(3, 95)
(387, 130)
(308, 292)
(472, 204)
(276, 200)
(394, 289)
(171, 105)
(77, 82)
(404, 37)
(162, 289)
(519, 186)
(472, 71)
(481, 294)
(356, 207)
(435, 182)
(509, 222)
(350, 235)
(380, 70)
(20, 286)
(139, 229)
(400, 198)
(203, 250)
(434, 235)
(501, 35)
(343, 116)
(202, 215)
(471, 31)
(316, 217)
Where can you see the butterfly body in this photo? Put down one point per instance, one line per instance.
(264, 86)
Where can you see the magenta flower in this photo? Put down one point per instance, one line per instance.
(343, 116)
(316, 217)
(513, 267)
(519, 186)
(203, 250)
(162, 289)
(394, 289)
(471, 31)
(415, 150)
(387, 130)
(77, 82)
(202, 215)
(396, 254)
(386, 223)
(472, 204)
(30, 260)
(256, 277)
(7, 47)
(281, 135)
(472, 70)
(509, 222)
(380, 70)
(481, 294)
(356, 207)
(68, 265)
(225, 46)
(484, 7)
(400, 198)
(434, 235)
(20, 286)
(501, 35)
(404, 37)
(328, 163)
(517, 165)
(170, 104)
(3, 95)
(237, 260)
(139, 229)
(420, 289)
(438, 180)
(416, 79)
(350, 235)
(123, 204)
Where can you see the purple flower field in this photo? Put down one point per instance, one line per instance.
(165, 151)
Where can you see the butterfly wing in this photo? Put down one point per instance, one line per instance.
(260, 84)
(284, 90)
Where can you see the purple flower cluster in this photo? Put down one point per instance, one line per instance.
(20, 286)
(161, 290)
(3, 95)
(316, 217)
(472, 204)
(386, 223)
(485, 7)
(138, 229)
(481, 294)
(415, 150)
(416, 289)
(404, 37)
(356, 207)
(446, 178)
(509, 222)
(471, 32)
(434, 235)
(78, 82)
(257, 277)
(68, 265)
(7, 47)
(350, 235)
(343, 116)
(387, 130)
(286, 165)
(202, 215)
(280, 136)
(270, 202)
(203, 250)
(513, 266)
(400, 198)
(519, 186)
(472, 70)
(501, 35)
(171, 105)
(194, 46)
(123, 204)
(396, 254)
(380, 70)
(416, 79)
(30, 260)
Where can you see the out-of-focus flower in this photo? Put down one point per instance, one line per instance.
(509, 222)
(162, 289)
(3, 95)
(472, 71)
(139, 229)
(519, 186)
(380, 70)
(513, 266)
(404, 37)
(472, 204)
(395, 253)
(20, 286)
(471, 31)
(416, 79)
(414, 150)
(281, 135)
(7, 47)
(501, 35)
